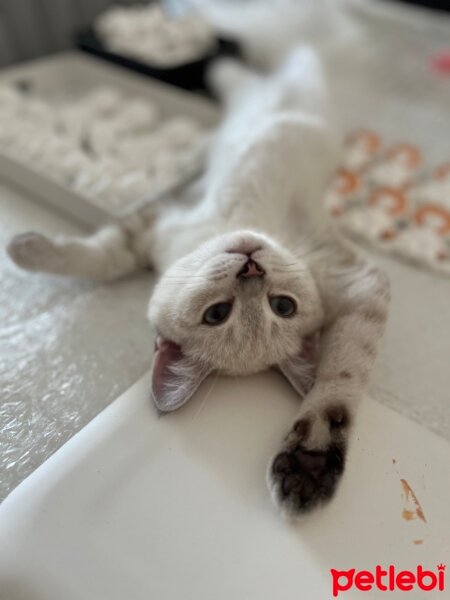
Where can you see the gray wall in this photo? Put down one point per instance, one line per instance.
(30, 28)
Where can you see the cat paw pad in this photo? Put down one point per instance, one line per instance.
(302, 478)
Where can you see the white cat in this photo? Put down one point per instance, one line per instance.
(245, 286)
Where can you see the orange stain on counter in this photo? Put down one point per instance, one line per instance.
(409, 494)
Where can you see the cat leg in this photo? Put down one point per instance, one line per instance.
(104, 256)
(309, 465)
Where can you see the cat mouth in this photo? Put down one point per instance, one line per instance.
(251, 269)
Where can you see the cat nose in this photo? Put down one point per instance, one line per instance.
(251, 269)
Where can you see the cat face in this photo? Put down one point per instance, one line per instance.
(239, 304)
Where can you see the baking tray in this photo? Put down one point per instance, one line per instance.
(189, 76)
(77, 73)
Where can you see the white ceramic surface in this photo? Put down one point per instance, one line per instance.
(145, 507)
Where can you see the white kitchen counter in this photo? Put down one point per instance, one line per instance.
(145, 507)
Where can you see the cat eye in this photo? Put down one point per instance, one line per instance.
(283, 306)
(217, 313)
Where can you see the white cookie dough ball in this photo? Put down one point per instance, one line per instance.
(166, 169)
(23, 132)
(19, 133)
(50, 157)
(72, 120)
(104, 101)
(131, 186)
(130, 179)
(138, 114)
(102, 135)
(134, 152)
(112, 167)
(113, 21)
(179, 133)
(34, 147)
(100, 186)
(151, 35)
(72, 163)
(38, 111)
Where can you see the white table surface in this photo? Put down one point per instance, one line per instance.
(145, 507)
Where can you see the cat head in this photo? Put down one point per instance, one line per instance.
(237, 305)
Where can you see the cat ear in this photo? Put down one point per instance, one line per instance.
(300, 369)
(174, 377)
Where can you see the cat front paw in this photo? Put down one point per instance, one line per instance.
(305, 473)
(32, 251)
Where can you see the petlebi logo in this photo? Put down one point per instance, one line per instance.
(388, 580)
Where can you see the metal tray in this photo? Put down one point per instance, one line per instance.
(74, 72)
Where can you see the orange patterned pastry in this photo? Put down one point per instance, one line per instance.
(382, 194)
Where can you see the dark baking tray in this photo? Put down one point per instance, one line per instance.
(189, 76)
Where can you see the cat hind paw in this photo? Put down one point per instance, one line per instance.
(32, 251)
